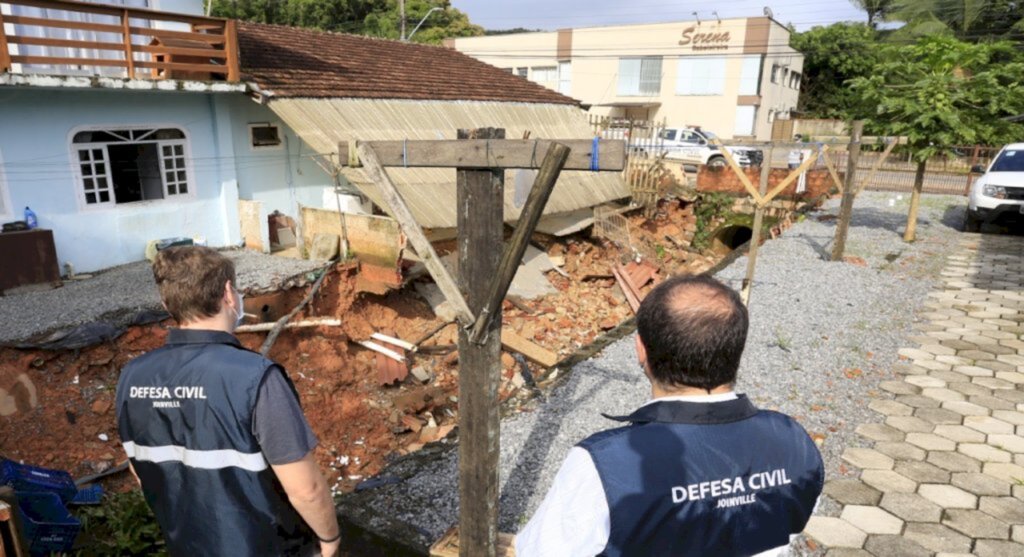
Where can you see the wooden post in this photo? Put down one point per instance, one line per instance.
(126, 34)
(480, 225)
(231, 50)
(849, 193)
(915, 202)
(755, 235)
(5, 55)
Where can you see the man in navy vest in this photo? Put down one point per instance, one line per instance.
(698, 470)
(214, 432)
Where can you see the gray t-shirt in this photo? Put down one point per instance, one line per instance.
(278, 422)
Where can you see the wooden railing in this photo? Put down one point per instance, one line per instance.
(209, 48)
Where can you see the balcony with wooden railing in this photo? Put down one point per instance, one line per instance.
(63, 37)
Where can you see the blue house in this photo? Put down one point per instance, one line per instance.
(121, 124)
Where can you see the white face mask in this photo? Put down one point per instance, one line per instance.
(240, 310)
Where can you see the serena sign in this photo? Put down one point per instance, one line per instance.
(704, 41)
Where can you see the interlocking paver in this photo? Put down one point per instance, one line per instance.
(966, 408)
(930, 442)
(1012, 396)
(872, 520)
(901, 450)
(1009, 416)
(948, 496)
(1014, 377)
(888, 481)
(981, 484)
(937, 349)
(855, 492)
(991, 402)
(901, 388)
(984, 452)
(970, 389)
(868, 459)
(974, 371)
(942, 395)
(976, 524)
(911, 507)
(936, 537)
(895, 545)
(834, 532)
(987, 424)
(1012, 443)
(998, 548)
(992, 382)
(949, 377)
(925, 381)
(1017, 533)
(892, 408)
(848, 552)
(938, 416)
(918, 401)
(959, 433)
(879, 432)
(915, 354)
(954, 462)
(921, 472)
(1007, 509)
(910, 424)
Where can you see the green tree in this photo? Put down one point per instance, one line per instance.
(834, 55)
(941, 92)
(877, 10)
(972, 20)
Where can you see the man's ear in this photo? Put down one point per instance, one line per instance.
(641, 351)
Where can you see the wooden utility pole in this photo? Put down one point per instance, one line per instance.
(755, 233)
(849, 192)
(401, 17)
(915, 202)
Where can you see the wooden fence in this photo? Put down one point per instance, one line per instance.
(124, 38)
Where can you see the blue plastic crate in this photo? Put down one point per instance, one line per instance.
(88, 495)
(23, 477)
(46, 523)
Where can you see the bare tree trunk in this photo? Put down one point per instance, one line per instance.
(915, 202)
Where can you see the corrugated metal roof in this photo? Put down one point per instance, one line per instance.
(430, 192)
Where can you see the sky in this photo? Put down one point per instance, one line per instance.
(555, 14)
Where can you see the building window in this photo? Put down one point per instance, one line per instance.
(640, 76)
(565, 77)
(701, 76)
(264, 136)
(544, 75)
(750, 75)
(775, 73)
(522, 72)
(129, 165)
(794, 80)
(745, 116)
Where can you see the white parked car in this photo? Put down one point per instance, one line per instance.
(693, 146)
(998, 195)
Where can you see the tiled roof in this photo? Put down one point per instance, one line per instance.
(296, 62)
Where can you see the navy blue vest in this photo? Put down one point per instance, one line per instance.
(185, 418)
(718, 478)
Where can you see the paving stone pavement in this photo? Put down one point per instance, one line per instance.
(945, 475)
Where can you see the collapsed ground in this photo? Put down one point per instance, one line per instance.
(63, 400)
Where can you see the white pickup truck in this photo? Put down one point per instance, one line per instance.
(693, 146)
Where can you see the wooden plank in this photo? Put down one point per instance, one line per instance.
(480, 209)
(164, 33)
(65, 43)
(231, 50)
(739, 171)
(537, 199)
(400, 211)
(448, 545)
(127, 37)
(755, 233)
(533, 351)
(63, 24)
(507, 153)
(849, 193)
(874, 168)
(793, 175)
(62, 61)
(832, 171)
(5, 54)
(181, 51)
(136, 13)
(203, 68)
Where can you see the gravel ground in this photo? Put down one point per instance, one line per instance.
(118, 294)
(823, 335)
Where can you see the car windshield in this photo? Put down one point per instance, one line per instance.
(668, 134)
(1009, 161)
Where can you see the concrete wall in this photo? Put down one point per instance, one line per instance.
(41, 171)
(595, 54)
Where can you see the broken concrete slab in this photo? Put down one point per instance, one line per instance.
(433, 296)
(325, 247)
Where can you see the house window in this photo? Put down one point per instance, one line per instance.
(750, 75)
(745, 116)
(564, 77)
(522, 72)
(640, 76)
(264, 136)
(129, 165)
(794, 80)
(701, 76)
(775, 73)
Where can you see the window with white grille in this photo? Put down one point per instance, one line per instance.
(640, 76)
(701, 76)
(117, 166)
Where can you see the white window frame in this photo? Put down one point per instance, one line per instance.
(523, 71)
(280, 136)
(624, 88)
(73, 148)
(6, 211)
(565, 77)
(715, 83)
(752, 121)
(551, 72)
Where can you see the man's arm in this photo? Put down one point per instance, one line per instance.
(308, 493)
(573, 520)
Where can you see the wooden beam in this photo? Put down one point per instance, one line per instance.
(5, 54)
(62, 61)
(804, 166)
(127, 36)
(494, 153)
(180, 51)
(41, 41)
(231, 49)
(874, 168)
(533, 351)
(185, 67)
(401, 212)
(136, 13)
(739, 171)
(537, 199)
(63, 24)
(187, 35)
(480, 208)
(849, 193)
(832, 171)
(755, 233)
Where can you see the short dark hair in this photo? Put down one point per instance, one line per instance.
(693, 329)
(191, 281)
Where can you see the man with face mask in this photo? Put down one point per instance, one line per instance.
(215, 433)
(698, 470)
